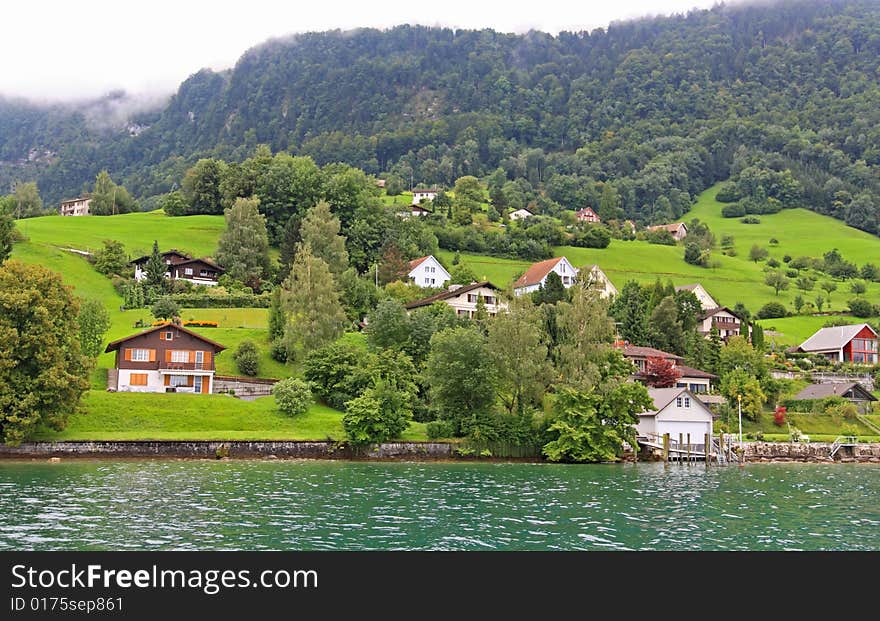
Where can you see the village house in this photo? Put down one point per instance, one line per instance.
(535, 277)
(679, 413)
(679, 230)
(520, 214)
(598, 280)
(427, 272)
(182, 267)
(76, 206)
(853, 392)
(697, 381)
(853, 343)
(424, 194)
(587, 215)
(706, 300)
(414, 210)
(165, 358)
(725, 320)
(464, 299)
(380, 183)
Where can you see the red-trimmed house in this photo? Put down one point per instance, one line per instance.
(164, 358)
(181, 266)
(587, 215)
(855, 343)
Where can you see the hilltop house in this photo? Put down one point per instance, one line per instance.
(587, 215)
(854, 343)
(165, 358)
(697, 381)
(182, 267)
(76, 206)
(706, 300)
(728, 323)
(853, 392)
(464, 298)
(535, 277)
(427, 272)
(679, 230)
(520, 214)
(426, 194)
(679, 413)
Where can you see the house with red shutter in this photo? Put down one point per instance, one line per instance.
(855, 343)
(587, 215)
(164, 358)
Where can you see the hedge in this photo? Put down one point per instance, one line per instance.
(230, 300)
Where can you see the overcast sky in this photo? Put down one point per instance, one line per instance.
(72, 50)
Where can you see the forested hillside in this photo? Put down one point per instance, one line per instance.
(781, 99)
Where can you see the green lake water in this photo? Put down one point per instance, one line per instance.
(330, 505)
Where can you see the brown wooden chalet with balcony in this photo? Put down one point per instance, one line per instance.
(165, 358)
(181, 266)
(728, 323)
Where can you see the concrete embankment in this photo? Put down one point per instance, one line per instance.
(232, 449)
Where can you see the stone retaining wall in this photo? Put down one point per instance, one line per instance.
(243, 386)
(810, 451)
(233, 449)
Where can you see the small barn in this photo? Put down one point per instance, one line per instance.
(678, 412)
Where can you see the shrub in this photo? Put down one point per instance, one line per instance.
(779, 416)
(193, 323)
(727, 193)
(236, 299)
(734, 210)
(293, 396)
(772, 262)
(771, 310)
(381, 413)
(437, 429)
(861, 307)
(750, 220)
(165, 308)
(774, 241)
(247, 358)
(660, 236)
(278, 350)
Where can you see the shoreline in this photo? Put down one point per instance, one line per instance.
(755, 452)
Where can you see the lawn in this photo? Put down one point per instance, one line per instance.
(141, 416)
(795, 330)
(820, 427)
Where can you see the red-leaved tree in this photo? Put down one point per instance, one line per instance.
(779, 416)
(660, 372)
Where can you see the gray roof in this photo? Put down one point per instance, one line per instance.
(827, 339)
(822, 391)
(664, 396)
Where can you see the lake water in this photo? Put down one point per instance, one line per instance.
(314, 505)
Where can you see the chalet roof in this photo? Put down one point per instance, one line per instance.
(75, 200)
(418, 208)
(714, 311)
(173, 251)
(636, 351)
(672, 228)
(586, 211)
(821, 391)
(204, 260)
(115, 344)
(536, 272)
(423, 190)
(445, 295)
(692, 287)
(417, 262)
(522, 209)
(827, 339)
(662, 397)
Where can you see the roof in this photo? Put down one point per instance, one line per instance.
(417, 262)
(821, 391)
(162, 254)
(586, 210)
(115, 344)
(687, 371)
(833, 338)
(204, 260)
(76, 200)
(662, 397)
(522, 209)
(714, 311)
(688, 287)
(635, 351)
(445, 295)
(423, 190)
(419, 208)
(669, 227)
(536, 272)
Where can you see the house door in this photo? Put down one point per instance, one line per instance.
(200, 359)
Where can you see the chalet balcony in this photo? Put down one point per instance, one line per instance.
(726, 325)
(200, 368)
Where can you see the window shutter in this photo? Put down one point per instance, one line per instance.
(168, 380)
(128, 353)
(167, 355)
(208, 356)
(152, 355)
(161, 336)
(190, 356)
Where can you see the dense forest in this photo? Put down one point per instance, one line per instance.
(781, 99)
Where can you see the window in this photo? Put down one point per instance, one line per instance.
(140, 355)
(188, 271)
(472, 297)
(430, 281)
(461, 312)
(179, 380)
(678, 402)
(197, 383)
(179, 356)
(489, 299)
(137, 379)
(687, 402)
(168, 336)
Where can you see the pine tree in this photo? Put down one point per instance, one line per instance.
(713, 352)
(277, 320)
(290, 241)
(243, 249)
(629, 309)
(311, 302)
(155, 267)
(552, 291)
(320, 229)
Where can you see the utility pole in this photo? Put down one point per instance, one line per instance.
(739, 406)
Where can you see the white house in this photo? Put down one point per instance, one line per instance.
(678, 230)
(427, 194)
(728, 323)
(413, 210)
(76, 207)
(535, 277)
(706, 300)
(427, 272)
(678, 412)
(520, 214)
(587, 215)
(598, 280)
(464, 299)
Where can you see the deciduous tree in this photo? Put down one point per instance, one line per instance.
(243, 249)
